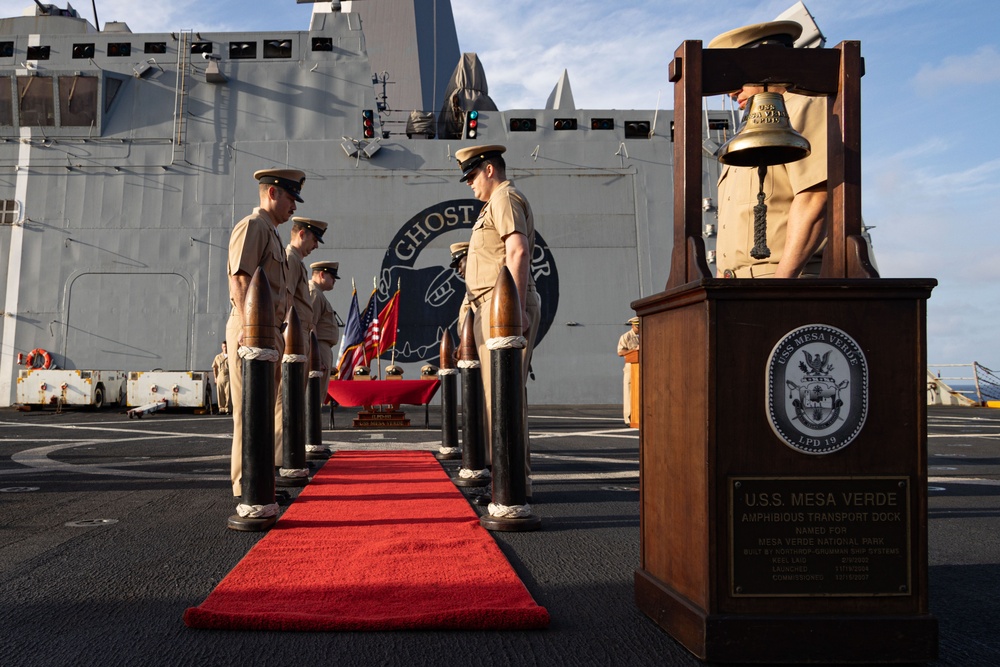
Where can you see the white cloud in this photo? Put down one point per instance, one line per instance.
(980, 68)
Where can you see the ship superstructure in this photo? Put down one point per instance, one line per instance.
(125, 160)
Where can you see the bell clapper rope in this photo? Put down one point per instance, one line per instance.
(760, 249)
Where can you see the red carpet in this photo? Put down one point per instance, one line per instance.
(377, 541)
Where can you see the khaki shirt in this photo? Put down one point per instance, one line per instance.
(254, 242)
(298, 288)
(507, 212)
(738, 188)
(324, 318)
(629, 341)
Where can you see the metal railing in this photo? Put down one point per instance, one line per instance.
(985, 382)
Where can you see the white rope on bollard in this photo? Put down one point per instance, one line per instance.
(315, 374)
(450, 450)
(293, 472)
(257, 511)
(317, 448)
(294, 359)
(258, 353)
(469, 473)
(510, 511)
(507, 343)
(469, 364)
(448, 371)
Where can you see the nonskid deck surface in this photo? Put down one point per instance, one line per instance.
(112, 528)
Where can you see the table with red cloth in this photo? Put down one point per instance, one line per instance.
(382, 392)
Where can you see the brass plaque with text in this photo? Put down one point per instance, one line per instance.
(819, 536)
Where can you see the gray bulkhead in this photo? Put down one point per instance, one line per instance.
(117, 259)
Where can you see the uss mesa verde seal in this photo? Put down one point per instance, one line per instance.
(817, 389)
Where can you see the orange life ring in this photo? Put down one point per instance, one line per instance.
(39, 353)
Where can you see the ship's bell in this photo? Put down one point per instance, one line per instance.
(766, 136)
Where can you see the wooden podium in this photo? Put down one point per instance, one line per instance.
(632, 359)
(783, 448)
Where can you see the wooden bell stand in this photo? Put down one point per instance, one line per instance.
(751, 549)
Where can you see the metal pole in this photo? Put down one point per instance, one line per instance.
(258, 510)
(315, 449)
(450, 449)
(509, 510)
(293, 472)
(473, 472)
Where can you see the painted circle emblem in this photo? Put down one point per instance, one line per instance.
(817, 389)
(418, 259)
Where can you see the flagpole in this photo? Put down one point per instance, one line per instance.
(399, 282)
(378, 359)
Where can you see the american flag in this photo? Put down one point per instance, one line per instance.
(368, 349)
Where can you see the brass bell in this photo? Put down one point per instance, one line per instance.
(766, 136)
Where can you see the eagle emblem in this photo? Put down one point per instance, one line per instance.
(817, 389)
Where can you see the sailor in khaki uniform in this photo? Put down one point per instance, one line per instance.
(459, 257)
(220, 368)
(307, 234)
(254, 243)
(629, 341)
(504, 235)
(796, 192)
(324, 323)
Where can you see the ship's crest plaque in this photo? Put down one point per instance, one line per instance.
(817, 389)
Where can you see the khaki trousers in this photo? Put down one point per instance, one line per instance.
(627, 394)
(326, 360)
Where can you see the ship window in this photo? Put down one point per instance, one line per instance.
(718, 124)
(111, 88)
(637, 129)
(119, 50)
(201, 47)
(238, 50)
(6, 49)
(77, 100)
(523, 124)
(6, 102)
(322, 44)
(35, 100)
(9, 211)
(278, 48)
(83, 50)
(156, 47)
(38, 52)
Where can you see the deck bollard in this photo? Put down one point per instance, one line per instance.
(293, 471)
(258, 510)
(473, 472)
(450, 449)
(509, 510)
(315, 449)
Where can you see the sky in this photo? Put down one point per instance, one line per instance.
(930, 158)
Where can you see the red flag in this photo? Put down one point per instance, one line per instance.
(388, 321)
